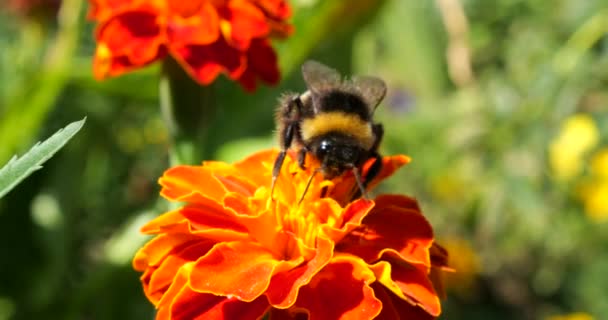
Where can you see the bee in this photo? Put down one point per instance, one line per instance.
(332, 121)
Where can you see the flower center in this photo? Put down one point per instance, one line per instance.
(302, 223)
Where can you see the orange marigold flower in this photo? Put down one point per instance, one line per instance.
(231, 252)
(207, 37)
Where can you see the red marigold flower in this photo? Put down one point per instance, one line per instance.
(207, 37)
(231, 252)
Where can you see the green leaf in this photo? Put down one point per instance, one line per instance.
(18, 169)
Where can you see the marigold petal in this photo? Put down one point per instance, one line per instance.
(396, 200)
(197, 23)
(286, 314)
(165, 221)
(278, 9)
(157, 249)
(352, 216)
(205, 62)
(191, 305)
(389, 166)
(181, 182)
(209, 220)
(212, 218)
(395, 308)
(236, 269)
(101, 10)
(179, 282)
(246, 22)
(127, 41)
(163, 276)
(261, 63)
(439, 257)
(391, 228)
(185, 9)
(409, 282)
(341, 291)
(224, 169)
(284, 286)
(181, 302)
(258, 166)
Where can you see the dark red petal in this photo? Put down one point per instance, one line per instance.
(135, 35)
(396, 200)
(191, 305)
(284, 287)
(391, 228)
(286, 314)
(340, 291)
(439, 256)
(205, 62)
(261, 63)
(394, 308)
(411, 282)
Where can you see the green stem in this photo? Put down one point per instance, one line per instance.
(186, 108)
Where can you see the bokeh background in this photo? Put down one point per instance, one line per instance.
(503, 106)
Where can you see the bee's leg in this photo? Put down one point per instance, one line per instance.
(302, 157)
(378, 131)
(278, 163)
(361, 191)
(374, 169)
(291, 130)
(376, 166)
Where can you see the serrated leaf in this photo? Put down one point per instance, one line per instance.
(18, 169)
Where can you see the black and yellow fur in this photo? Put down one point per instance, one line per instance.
(332, 121)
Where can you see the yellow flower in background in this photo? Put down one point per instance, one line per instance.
(599, 164)
(578, 135)
(466, 265)
(572, 316)
(594, 191)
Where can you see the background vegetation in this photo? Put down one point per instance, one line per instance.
(503, 106)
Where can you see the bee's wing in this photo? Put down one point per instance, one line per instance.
(319, 76)
(372, 89)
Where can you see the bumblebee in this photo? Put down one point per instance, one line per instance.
(333, 122)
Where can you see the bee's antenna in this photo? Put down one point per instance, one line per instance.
(314, 173)
(359, 183)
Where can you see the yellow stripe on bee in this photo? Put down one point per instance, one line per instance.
(341, 122)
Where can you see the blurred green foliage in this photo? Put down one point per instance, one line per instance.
(479, 91)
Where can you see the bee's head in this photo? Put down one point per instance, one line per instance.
(337, 154)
